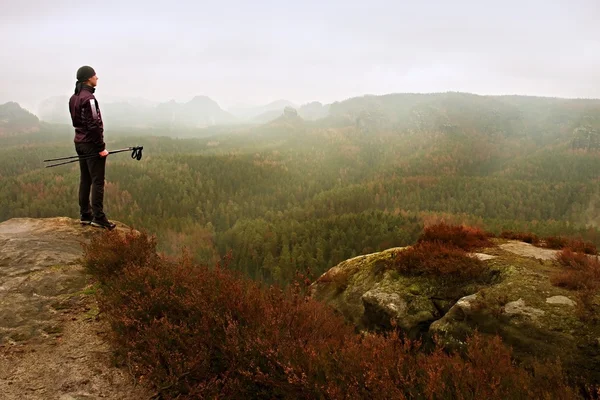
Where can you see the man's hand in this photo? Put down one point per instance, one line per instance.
(104, 153)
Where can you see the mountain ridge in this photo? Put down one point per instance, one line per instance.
(389, 109)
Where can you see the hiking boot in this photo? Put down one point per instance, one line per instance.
(103, 223)
(86, 219)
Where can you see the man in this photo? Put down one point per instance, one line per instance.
(89, 140)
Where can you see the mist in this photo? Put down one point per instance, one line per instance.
(240, 52)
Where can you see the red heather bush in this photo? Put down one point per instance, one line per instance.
(580, 271)
(585, 247)
(438, 259)
(577, 245)
(193, 332)
(106, 256)
(523, 237)
(464, 237)
(556, 242)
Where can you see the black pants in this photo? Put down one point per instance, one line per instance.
(92, 179)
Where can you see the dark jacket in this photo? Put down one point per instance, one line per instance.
(86, 117)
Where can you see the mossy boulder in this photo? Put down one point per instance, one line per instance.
(344, 285)
(371, 294)
(517, 302)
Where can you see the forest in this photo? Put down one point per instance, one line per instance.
(295, 195)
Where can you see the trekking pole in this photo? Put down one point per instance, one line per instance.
(136, 153)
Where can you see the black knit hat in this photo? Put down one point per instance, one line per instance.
(84, 73)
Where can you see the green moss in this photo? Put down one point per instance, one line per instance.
(90, 290)
(92, 313)
(394, 274)
(414, 289)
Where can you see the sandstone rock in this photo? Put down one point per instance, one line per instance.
(529, 250)
(531, 315)
(561, 300)
(483, 257)
(370, 294)
(410, 312)
(519, 308)
(344, 285)
(50, 347)
(39, 273)
(458, 313)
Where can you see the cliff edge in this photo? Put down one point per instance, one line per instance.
(52, 343)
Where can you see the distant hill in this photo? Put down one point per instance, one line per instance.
(508, 116)
(544, 119)
(289, 119)
(258, 113)
(310, 111)
(314, 111)
(201, 111)
(15, 119)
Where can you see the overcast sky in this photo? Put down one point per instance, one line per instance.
(259, 51)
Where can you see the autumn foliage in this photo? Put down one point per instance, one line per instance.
(439, 259)
(441, 251)
(578, 245)
(580, 272)
(194, 332)
(464, 237)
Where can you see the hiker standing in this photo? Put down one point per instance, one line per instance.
(89, 140)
